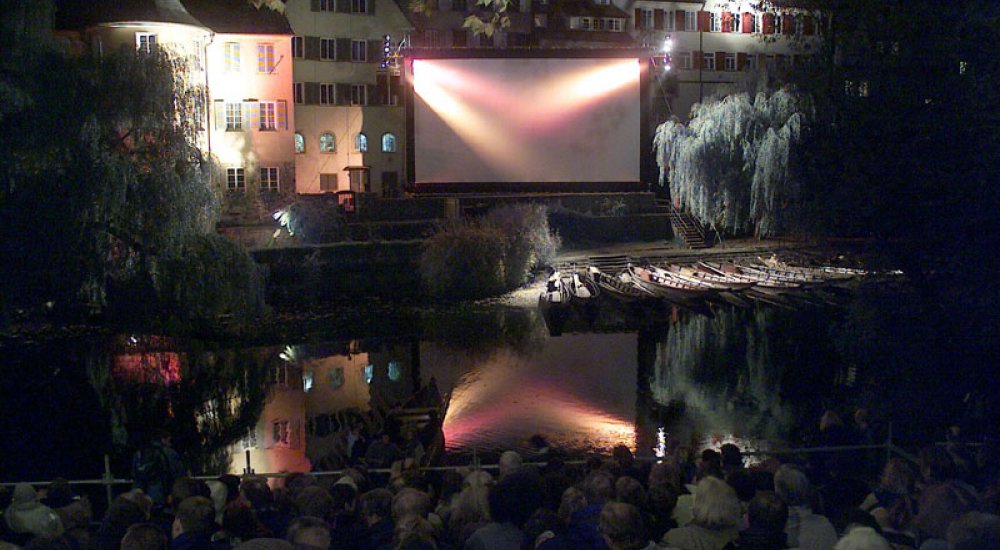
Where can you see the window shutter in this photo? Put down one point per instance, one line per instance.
(314, 5)
(281, 114)
(747, 22)
(343, 49)
(768, 23)
(727, 21)
(720, 61)
(638, 19)
(343, 94)
(311, 93)
(679, 20)
(220, 114)
(741, 61)
(251, 111)
(370, 95)
(375, 52)
(344, 6)
(703, 24)
(312, 47)
(658, 20)
(370, 7)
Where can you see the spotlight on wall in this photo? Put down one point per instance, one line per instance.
(668, 44)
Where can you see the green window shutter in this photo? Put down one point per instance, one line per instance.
(343, 49)
(370, 94)
(312, 47)
(375, 53)
(343, 94)
(314, 5)
(344, 6)
(220, 114)
(370, 6)
(251, 111)
(311, 93)
(281, 114)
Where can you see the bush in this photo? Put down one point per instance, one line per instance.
(313, 221)
(464, 261)
(488, 256)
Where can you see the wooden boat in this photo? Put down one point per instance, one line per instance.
(556, 292)
(782, 276)
(760, 282)
(580, 288)
(616, 287)
(823, 271)
(719, 281)
(661, 286)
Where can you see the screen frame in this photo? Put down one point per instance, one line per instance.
(646, 168)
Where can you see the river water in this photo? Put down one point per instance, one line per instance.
(758, 376)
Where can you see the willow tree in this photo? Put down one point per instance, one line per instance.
(734, 165)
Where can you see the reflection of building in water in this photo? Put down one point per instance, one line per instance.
(277, 442)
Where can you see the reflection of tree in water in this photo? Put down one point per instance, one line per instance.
(216, 396)
(484, 331)
(728, 372)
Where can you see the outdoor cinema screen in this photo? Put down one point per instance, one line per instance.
(513, 120)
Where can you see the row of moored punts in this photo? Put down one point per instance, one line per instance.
(768, 280)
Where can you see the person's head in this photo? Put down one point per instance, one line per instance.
(861, 417)
(543, 521)
(314, 501)
(829, 419)
(940, 505)
(345, 497)
(122, 514)
(622, 455)
(898, 476)
(621, 526)
(710, 465)
(415, 532)
(144, 536)
(538, 442)
(630, 491)
(974, 531)
(742, 482)
(232, 483)
(572, 500)
(376, 505)
(937, 465)
(732, 457)
(186, 487)
(668, 473)
(194, 515)
(509, 462)
(715, 505)
(238, 520)
(141, 499)
(598, 487)
(257, 493)
(410, 502)
(792, 486)
(309, 533)
(516, 496)
(767, 512)
(862, 538)
(662, 500)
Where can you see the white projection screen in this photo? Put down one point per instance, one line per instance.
(516, 120)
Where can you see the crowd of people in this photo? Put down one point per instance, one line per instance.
(711, 500)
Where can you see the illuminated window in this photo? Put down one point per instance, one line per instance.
(715, 22)
(690, 20)
(336, 376)
(361, 143)
(369, 373)
(669, 20)
(280, 434)
(684, 60)
(388, 143)
(708, 61)
(267, 120)
(269, 179)
(298, 47)
(234, 116)
(646, 18)
(730, 62)
(232, 57)
(327, 144)
(758, 23)
(300, 143)
(394, 371)
(359, 51)
(265, 57)
(327, 94)
(145, 42)
(751, 62)
(359, 94)
(307, 381)
(236, 179)
(327, 49)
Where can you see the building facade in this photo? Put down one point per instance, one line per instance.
(349, 121)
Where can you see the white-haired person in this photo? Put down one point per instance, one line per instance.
(862, 538)
(716, 517)
(805, 530)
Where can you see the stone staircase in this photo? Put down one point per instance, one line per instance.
(685, 226)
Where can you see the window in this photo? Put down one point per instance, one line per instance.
(327, 144)
(327, 49)
(730, 62)
(359, 94)
(327, 5)
(235, 179)
(684, 60)
(863, 88)
(281, 434)
(758, 23)
(779, 24)
(708, 61)
(145, 42)
(307, 381)
(269, 179)
(735, 22)
(388, 143)
(328, 182)
(234, 116)
(232, 57)
(359, 6)
(646, 18)
(669, 20)
(300, 143)
(433, 38)
(327, 94)
(614, 25)
(267, 115)
(299, 89)
(336, 375)
(361, 143)
(715, 22)
(751, 62)
(359, 180)
(690, 21)
(359, 51)
(265, 57)
(298, 47)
